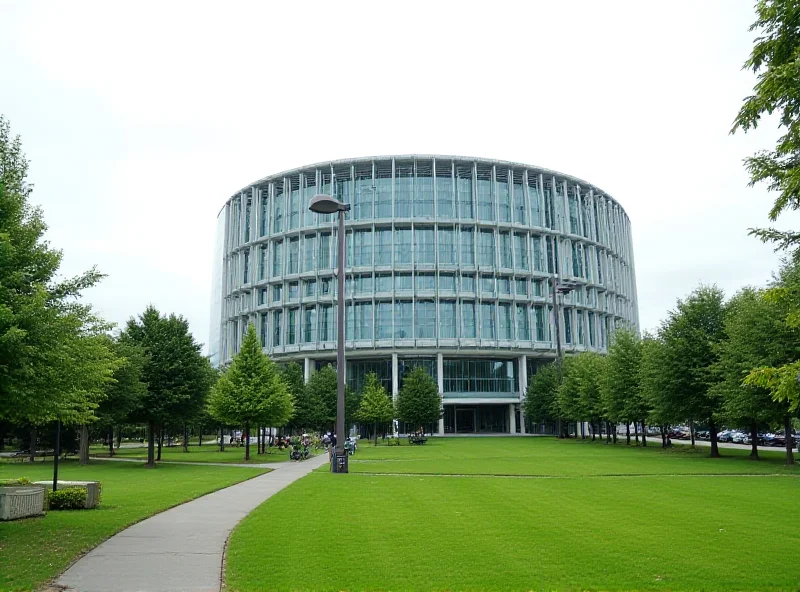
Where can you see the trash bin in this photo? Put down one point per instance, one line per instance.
(339, 462)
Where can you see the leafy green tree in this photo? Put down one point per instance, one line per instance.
(419, 402)
(303, 415)
(756, 336)
(251, 391)
(652, 402)
(541, 398)
(177, 375)
(620, 384)
(691, 335)
(52, 359)
(321, 393)
(376, 405)
(774, 61)
(124, 392)
(579, 394)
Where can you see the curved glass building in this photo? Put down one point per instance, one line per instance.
(450, 266)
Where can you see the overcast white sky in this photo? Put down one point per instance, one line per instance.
(142, 118)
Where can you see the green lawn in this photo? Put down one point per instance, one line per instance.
(612, 518)
(35, 550)
(207, 453)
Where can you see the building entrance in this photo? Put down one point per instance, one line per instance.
(476, 419)
(465, 420)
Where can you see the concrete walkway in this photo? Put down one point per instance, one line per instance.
(179, 550)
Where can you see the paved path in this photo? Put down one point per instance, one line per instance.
(179, 550)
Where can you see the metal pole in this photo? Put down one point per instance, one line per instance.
(57, 454)
(340, 363)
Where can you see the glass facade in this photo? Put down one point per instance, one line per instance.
(446, 257)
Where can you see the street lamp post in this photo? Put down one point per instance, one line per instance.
(558, 288)
(325, 204)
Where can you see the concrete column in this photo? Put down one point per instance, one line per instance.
(523, 389)
(440, 381)
(395, 378)
(308, 369)
(512, 419)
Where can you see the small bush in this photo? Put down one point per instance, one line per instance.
(393, 442)
(14, 482)
(72, 498)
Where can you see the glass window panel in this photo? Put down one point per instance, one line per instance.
(426, 282)
(310, 252)
(309, 191)
(264, 221)
(294, 203)
(469, 326)
(362, 248)
(425, 319)
(541, 324)
(310, 288)
(246, 266)
(309, 324)
(383, 282)
(484, 195)
(276, 327)
(486, 248)
(467, 246)
(447, 246)
(423, 191)
(264, 329)
(362, 203)
(520, 203)
(364, 284)
(504, 239)
(521, 251)
(464, 192)
(503, 195)
(567, 313)
(506, 329)
(574, 226)
(403, 323)
(383, 320)
(521, 287)
(276, 292)
(402, 246)
(479, 376)
(403, 282)
(591, 324)
(293, 291)
(403, 190)
(488, 329)
(277, 220)
(536, 251)
(447, 283)
(383, 246)
(487, 286)
(468, 283)
(425, 246)
(362, 315)
(504, 285)
(523, 323)
(445, 191)
(447, 319)
(533, 199)
(324, 254)
(277, 258)
(293, 262)
(291, 326)
(326, 322)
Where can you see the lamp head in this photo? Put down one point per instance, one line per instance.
(325, 204)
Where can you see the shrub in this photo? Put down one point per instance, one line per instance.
(71, 498)
(393, 441)
(14, 482)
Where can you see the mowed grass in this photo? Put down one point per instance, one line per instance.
(207, 453)
(553, 457)
(626, 526)
(34, 550)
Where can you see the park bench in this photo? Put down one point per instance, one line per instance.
(417, 439)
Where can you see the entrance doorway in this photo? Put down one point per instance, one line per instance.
(465, 420)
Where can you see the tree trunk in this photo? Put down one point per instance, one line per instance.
(753, 441)
(583, 431)
(558, 427)
(787, 433)
(376, 433)
(84, 445)
(151, 442)
(200, 436)
(185, 437)
(247, 441)
(712, 428)
(627, 433)
(636, 431)
(644, 434)
(221, 439)
(608, 433)
(160, 442)
(614, 432)
(663, 436)
(594, 430)
(691, 431)
(119, 435)
(33, 443)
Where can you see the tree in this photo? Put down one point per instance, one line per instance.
(376, 405)
(124, 392)
(653, 402)
(251, 392)
(579, 393)
(321, 392)
(756, 336)
(691, 335)
(620, 386)
(52, 358)
(541, 399)
(177, 375)
(305, 414)
(774, 61)
(419, 401)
